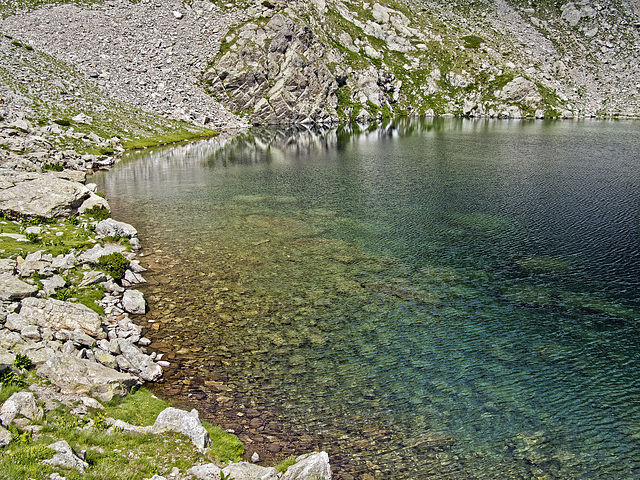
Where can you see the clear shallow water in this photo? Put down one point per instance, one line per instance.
(438, 298)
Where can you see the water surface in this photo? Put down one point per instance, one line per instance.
(427, 299)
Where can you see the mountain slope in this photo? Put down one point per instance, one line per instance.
(334, 59)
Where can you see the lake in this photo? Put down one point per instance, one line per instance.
(428, 298)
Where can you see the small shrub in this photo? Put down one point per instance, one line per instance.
(22, 362)
(54, 167)
(73, 220)
(98, 212)
(114, 264)
(64, 294)
(63, 122)
(32, 237)
(286, 463)
(472, 41)
(9, 378)
(100, 421)
(16, 43)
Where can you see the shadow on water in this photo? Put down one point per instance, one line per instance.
(423, 298)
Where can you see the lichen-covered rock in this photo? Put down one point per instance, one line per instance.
(138, 362)
(111, 228)
(187, 423)
(44, 197)
(133, 302)
(75, 375)
(5, 437)
(58, 315)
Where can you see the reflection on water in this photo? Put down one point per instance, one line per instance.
(425, 299)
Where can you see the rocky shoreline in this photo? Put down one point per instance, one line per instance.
(82, 356)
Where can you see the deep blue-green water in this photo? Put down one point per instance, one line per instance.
(465, 289)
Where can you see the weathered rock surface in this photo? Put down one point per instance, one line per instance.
(5, 437)
(187, 423)
(12, 288)
(58, 315)
(110, 228)
(250, 471)
(140, 363)
(209, 471)
(20, 404)
(133, 302)
(278, 74)
(312, 465)
(45, 197)
(74, 375)
(66, 457)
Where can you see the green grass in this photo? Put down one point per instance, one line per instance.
(167, 138)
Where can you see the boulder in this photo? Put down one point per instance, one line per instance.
(58, 315)
(249, 471)
(75, 375)
(312, 465)
(20, 403)
(93, 201)
(133, 302)
(187, 423)
(65, 457)
(17, 322)
(12, 288)
(7, 265)
(44, 197)
(112, 228)
(209, 471)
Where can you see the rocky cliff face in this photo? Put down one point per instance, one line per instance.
(330, 60)
(294, 61)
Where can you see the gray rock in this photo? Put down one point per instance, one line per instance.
(250, 471)
(133, 302)
(93, 277)
(105, 358)
(187, 423)
(139, 363)
(313, 465)
(93, 201)
(110, 228)
(74, 375)
(30, 332)
(127, 427)
(65, 457)
(64, 262)
(92, 255)
(133, 278)
(44, 197)
(58, 315)
(50, 285)
(12, 288)
(209, 471)
(5, 437)
(7, 265)
(17, 322)
(20, 403)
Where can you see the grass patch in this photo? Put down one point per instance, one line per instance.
(176, 137)
(286, 463)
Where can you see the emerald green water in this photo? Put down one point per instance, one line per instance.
(432, 298)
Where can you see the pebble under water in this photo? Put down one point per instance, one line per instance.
(434, 298)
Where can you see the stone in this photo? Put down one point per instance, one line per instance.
(313, 465)
(139, 363)
(20, 403)
(58, 315)
(133, 302)
(127, 427)
(50, 285)
(111, 228)
(17, 322)
(520, 90)
(7, 265)
(64, 262)
(93, 201)
(75, 375)
(133, 278)
(45, 197)
(12, 288)
(209, 471)
(30, 332)
(187, 423)
(82, 118)
(250, 471)
(255, 457)
(6, 437)
(93, 277)
(65, 457)
(93, 254)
